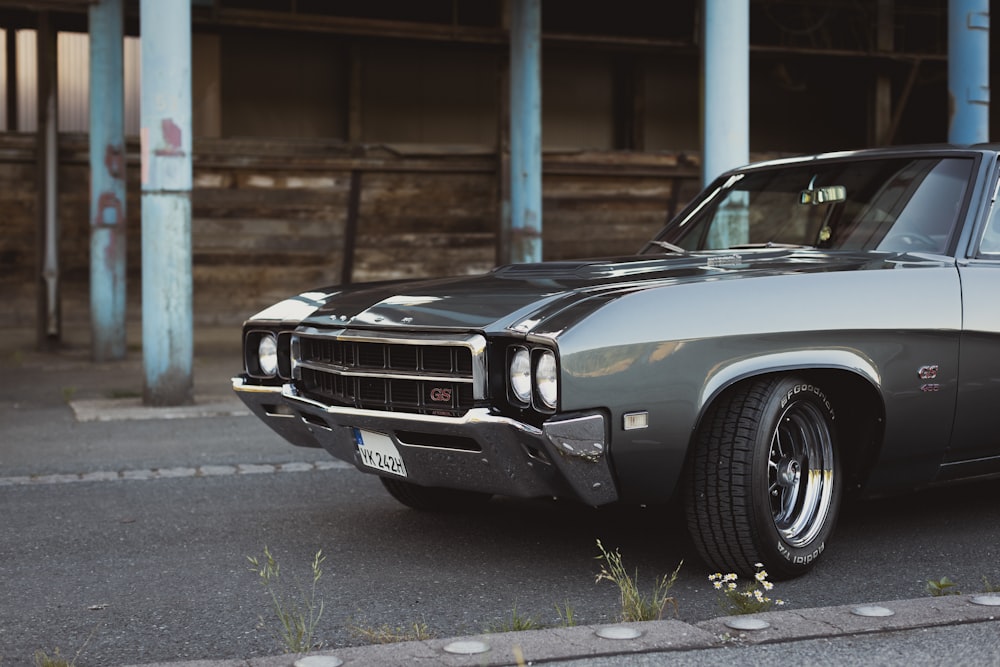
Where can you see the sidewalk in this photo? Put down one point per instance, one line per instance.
(964, 629)
(899, 626)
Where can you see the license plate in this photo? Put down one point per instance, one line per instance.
(378, 451)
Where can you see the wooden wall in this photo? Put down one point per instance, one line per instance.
(273, 218)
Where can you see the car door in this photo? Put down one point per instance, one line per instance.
(975, 446)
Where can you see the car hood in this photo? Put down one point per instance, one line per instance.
(520, 297)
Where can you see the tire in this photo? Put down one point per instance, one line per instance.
(763, 485)
(433, 499)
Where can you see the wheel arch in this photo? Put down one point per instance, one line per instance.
(852, 382)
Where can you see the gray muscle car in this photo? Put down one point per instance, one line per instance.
(804, 329)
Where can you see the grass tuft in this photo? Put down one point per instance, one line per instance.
(387, 634)
(297, 615)
(634, 605)
(516, 623)
(941, 587)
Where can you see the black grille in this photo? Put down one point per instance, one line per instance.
(350, 373)
(352, 355)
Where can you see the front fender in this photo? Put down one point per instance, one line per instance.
(732, 371)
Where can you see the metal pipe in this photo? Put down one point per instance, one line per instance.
(107, 182)
(968, 71)
(726, 75)
(165, 138)
(11, 74)
(49, 330)
(526, 131)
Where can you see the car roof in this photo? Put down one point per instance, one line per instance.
(867, 153)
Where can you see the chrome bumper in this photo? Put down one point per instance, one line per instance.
(567, 457)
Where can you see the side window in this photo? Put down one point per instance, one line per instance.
(990, 243)
(926, 205)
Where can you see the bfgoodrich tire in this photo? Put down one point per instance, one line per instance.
(433, 499)
(763, 485)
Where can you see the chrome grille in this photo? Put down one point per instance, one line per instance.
(442, 376)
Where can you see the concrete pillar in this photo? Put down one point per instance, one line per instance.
(968, 71)
(726, 75)
(107, 182)
(165, 135)
(526, 131)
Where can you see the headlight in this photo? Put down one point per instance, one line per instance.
(267, 355)
(547, 379)
(520, 375)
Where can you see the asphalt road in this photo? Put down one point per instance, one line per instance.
(146, 561)
(153, 570)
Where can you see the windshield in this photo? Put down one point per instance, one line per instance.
(898, 204)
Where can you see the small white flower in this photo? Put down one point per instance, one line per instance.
(717, 584)
(767, 585)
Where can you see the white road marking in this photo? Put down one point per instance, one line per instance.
(181, 472)
(122, 409)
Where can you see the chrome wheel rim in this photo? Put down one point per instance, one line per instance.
(800, 474)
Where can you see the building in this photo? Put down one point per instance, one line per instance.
(345, 141)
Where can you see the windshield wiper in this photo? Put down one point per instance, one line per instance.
(770, 244)
(671, 247)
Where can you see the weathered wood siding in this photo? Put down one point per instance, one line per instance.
(272, 218)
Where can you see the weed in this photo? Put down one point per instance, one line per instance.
(68, 393)
(634, 605)
(386, 634)
(942, 586)
(566, 616)
(516, 623)
(990, 588)
(750, 598)
(124, 393)
(43, 659)
(298, 616)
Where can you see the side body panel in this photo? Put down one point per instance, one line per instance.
(669, 352)
(977, 424)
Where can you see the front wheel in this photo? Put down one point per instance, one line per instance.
(433, 499)
(763, 484)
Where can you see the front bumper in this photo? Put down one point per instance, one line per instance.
(479, 451)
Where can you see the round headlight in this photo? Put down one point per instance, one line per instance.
(547, 379)
(267, 355)
(520, 375)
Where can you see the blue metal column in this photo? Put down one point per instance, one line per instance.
(726, 78)
(968, 71)
(107, 181)
(165, 135)
(526, 130)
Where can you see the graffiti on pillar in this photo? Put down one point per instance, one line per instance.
(114, 160)
(109, 210)
(171, 139)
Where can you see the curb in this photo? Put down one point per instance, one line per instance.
(584, 642)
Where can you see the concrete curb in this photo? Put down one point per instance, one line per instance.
(583, 642)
